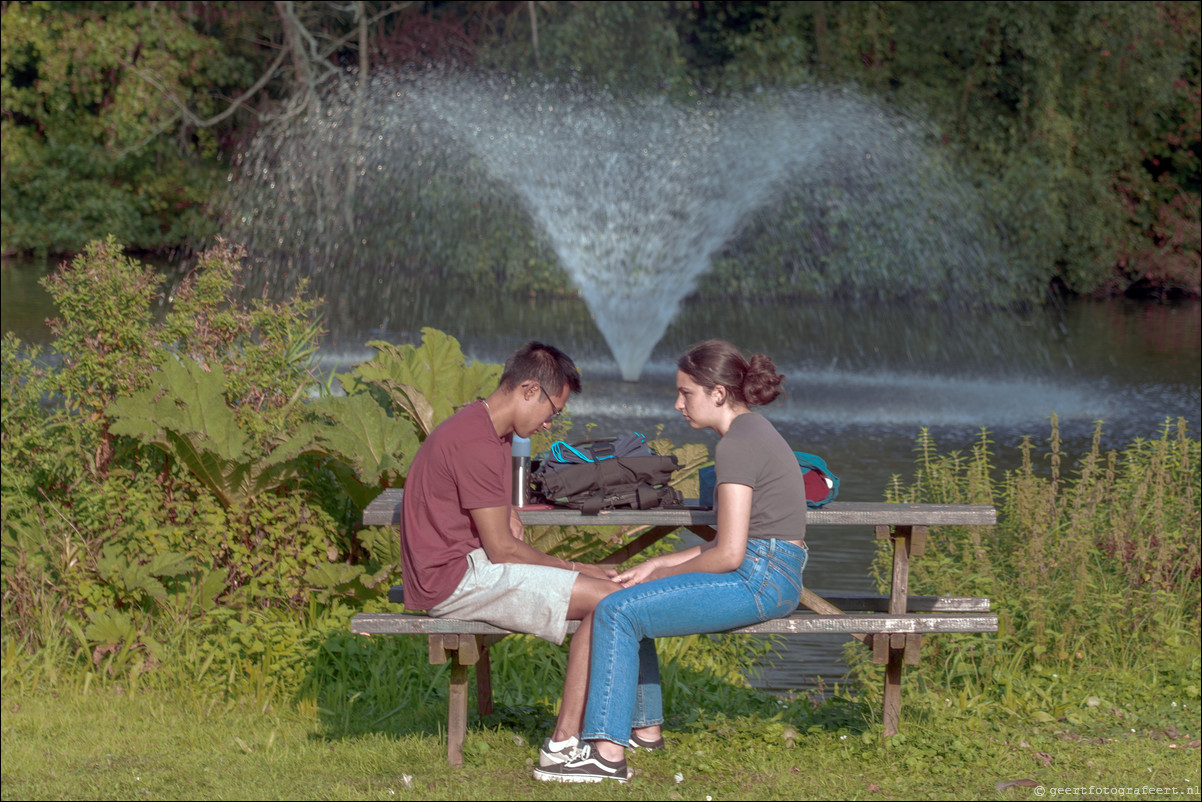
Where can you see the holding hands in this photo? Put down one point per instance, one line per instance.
(643, 572)
(664, 565)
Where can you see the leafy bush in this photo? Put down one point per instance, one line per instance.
(159, 467)
(90, 93)
(1094, 576)
(1079, 119)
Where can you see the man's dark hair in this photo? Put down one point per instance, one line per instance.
(543, 363)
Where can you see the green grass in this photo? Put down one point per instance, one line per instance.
(106, 742)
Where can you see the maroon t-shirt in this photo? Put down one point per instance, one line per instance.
(463, 465)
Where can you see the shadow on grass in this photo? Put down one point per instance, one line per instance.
(383, 685)
(387, 686)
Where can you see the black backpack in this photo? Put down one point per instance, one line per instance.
(606, 474)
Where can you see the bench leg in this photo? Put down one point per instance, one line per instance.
(893, 674)
(457, 713)
(902, 648)
(484, 684)
(465, 651)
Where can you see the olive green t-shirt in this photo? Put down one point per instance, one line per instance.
(753, 453)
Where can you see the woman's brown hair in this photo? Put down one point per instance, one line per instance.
(715, 363)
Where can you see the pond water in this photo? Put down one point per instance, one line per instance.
(863, 381)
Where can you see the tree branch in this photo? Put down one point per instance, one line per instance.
(357, 111)
(307, 53)
(533, 32)
(185, 113)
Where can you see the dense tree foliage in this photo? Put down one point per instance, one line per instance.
(1082, 118)
(94, 136)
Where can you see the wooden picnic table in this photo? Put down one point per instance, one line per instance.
(892, 627)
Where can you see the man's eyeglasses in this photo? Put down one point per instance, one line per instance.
(555, 412)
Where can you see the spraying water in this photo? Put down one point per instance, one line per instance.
(635, 196)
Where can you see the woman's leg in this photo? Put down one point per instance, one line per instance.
(648, 698)
(679, 605)
(765, 586)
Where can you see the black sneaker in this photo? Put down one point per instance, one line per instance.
(651, 746)
(586, 767)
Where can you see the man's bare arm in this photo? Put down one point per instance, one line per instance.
(493, 524)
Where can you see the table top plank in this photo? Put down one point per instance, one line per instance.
(798, 623)
(385, 510)
(852, 603)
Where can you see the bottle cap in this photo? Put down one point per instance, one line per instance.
(521, 446)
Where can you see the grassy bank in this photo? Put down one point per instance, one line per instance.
(109, 743)
(1091, 689)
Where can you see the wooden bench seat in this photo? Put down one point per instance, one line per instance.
(950, 618)
(466, 643)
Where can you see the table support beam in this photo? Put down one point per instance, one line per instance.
(902, 649)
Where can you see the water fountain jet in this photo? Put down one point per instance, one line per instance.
(635, 196)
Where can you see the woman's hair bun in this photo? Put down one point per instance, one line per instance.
(761, 383)
(716, 363)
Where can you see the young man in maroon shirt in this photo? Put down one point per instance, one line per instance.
(463, 546)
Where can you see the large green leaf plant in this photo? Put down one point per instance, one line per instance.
(184, 413)
(392, 403)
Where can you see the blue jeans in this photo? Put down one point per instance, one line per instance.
(624, 673)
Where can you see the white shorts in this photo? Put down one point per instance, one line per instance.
(514, 596)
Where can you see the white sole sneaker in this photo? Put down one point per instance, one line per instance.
(586, 767)
(550, 774)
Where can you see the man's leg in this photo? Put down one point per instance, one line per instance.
(586, 592)
(575, 683)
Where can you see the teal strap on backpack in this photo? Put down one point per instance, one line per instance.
(822, 486)
(588, 451)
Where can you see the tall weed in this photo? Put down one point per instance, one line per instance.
(114, 543)
(1093, 569)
